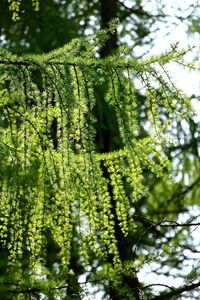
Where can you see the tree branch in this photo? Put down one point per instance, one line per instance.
(177, 291)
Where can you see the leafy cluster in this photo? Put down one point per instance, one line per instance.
(14, 6)
(54, 179)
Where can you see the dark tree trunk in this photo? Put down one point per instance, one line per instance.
(108, 136)
(108, 12)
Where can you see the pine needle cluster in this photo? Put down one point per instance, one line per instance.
(54, 181)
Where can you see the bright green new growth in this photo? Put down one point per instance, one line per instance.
(52, 175)
(14, 6)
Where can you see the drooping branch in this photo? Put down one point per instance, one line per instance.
(53, 176)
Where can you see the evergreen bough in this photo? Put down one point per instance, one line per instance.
(52, 175)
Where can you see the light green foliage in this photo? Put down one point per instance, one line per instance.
(52, 176)
(14, 6)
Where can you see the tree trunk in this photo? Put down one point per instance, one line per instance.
(108, 12)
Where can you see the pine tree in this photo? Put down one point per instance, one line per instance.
(159, 238)
(57, 186)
